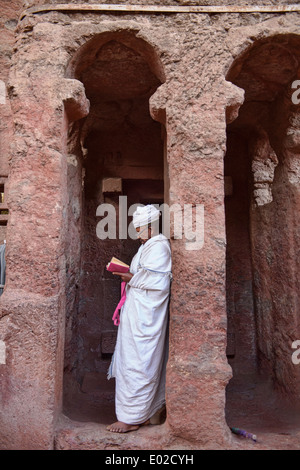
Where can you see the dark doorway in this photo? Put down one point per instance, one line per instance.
(263, 238)
(118, 143)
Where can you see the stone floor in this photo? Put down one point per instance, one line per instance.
(253, 407)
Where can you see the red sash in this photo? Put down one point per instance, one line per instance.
(116, 315)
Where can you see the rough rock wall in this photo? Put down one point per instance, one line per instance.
(191, 104)
(9, 19)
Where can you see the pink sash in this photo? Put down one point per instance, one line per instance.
(116, 315)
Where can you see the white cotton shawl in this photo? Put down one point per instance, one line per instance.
(139, 360)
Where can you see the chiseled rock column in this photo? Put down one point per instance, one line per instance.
(33, 304)
(198, 371)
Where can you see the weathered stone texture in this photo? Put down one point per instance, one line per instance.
(8, 22)
(83, 88)
(29, 3)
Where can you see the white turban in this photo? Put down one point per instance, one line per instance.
(145, 215)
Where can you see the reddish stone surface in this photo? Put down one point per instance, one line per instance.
(82, 90)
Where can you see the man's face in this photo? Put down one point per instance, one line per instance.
(143, 233)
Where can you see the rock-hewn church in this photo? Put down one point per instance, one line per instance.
(179, 103)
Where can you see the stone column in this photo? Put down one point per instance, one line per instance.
(33, 304)
(198, 371)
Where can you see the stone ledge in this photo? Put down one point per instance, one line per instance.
(73, 435)
(86, 7)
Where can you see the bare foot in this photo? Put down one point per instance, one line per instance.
(122, 427)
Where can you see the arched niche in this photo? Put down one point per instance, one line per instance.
(262, 227)
(117, 150)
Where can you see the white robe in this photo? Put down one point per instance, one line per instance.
(139, 360)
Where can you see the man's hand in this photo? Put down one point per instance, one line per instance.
(124, 276)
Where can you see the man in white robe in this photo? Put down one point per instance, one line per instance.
(139, 360)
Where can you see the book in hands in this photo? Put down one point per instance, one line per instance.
(117, 266)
